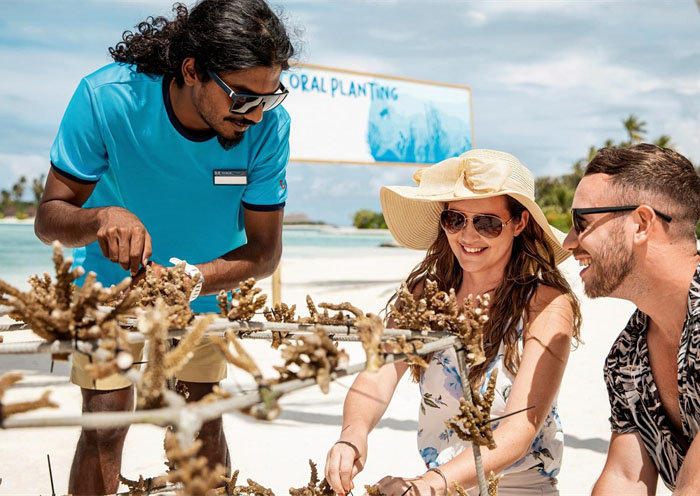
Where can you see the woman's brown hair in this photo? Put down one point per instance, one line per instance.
(531, 263)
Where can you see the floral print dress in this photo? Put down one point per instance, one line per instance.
(441, 390)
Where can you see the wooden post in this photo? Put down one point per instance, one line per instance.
(478, 463)
(277, 285)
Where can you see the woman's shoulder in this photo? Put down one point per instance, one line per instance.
(548, 304)
(544, 297)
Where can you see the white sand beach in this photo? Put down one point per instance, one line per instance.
(275, 454)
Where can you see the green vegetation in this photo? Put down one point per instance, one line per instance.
(367, 219)
(11, 203)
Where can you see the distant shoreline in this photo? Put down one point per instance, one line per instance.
(321, 227)
(15, 220)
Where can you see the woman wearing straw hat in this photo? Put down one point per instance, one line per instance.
(484, 234)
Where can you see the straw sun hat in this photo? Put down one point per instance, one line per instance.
(413, 212)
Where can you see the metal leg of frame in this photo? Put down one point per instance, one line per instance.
(478, 463)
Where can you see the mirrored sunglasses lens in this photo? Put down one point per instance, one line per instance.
(452, 221)
(488, 226)
(244, 104)
(272, 101)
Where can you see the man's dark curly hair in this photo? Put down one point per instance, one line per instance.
(221, 35)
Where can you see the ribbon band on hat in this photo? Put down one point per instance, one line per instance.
(461, 175)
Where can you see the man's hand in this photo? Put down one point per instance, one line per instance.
(123, 238)
(141, 274)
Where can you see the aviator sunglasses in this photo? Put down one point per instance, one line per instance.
(488, 226)
(242, 103)
(579, 223)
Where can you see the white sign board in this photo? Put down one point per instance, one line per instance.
(342, 116)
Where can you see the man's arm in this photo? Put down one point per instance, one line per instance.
(121, 235)
(257, 258)
(628, 469)
(688, 481)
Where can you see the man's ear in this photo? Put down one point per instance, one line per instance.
(524, 219)
(644, 218)
(189, 72)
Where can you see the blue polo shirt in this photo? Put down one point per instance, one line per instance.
(119, 131)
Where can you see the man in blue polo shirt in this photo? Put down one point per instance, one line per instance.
(177, 150)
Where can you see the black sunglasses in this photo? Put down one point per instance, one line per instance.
(242, 103)
(579, 223)
(488, 226)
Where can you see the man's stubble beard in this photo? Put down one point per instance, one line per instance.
(226, 143)
(610, 268)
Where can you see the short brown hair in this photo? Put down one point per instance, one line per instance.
(646, 173)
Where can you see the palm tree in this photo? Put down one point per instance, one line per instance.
(664, 141)
(38, 188)
(5, 197)
(635, 129)
(18, 188)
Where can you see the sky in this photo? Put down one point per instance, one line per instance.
(548, 78)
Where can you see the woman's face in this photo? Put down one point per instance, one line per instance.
(478, 253)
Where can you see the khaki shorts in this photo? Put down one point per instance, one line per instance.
(206, 365)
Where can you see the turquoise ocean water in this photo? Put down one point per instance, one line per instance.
(22, 254)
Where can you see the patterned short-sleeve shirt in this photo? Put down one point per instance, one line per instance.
(635, 402)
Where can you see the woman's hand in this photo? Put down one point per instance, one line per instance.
(344, 461)
(408, 486)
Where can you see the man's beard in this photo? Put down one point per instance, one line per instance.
(609, 268)
(228, 143)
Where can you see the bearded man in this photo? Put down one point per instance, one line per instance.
(634, 218)
(178, 149)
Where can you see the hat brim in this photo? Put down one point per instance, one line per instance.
(415, 221)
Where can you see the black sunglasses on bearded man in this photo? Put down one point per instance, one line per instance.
(242, 103)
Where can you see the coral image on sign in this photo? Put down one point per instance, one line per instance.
(347, 117)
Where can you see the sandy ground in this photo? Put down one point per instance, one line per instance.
(275, 454)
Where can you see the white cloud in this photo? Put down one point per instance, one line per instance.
(12, 166)
(475, 18)
(594, 72)
(685, 133)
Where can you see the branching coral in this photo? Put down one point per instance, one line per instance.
(440, 311)
(493, 481)
(143, 487)
(313, 355)
(190, 470)
(370, 329)
(60, 310)
(280, 312)
(373, 491)
(252, 489)
(6, 381)
(183, 352)
(324, 318)
(408, 348)
(471, 424)
(313, 488)
(154, 324)
(245, 302)
(269, 408)
(239, 357)
(163, 364)
(173, 286)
